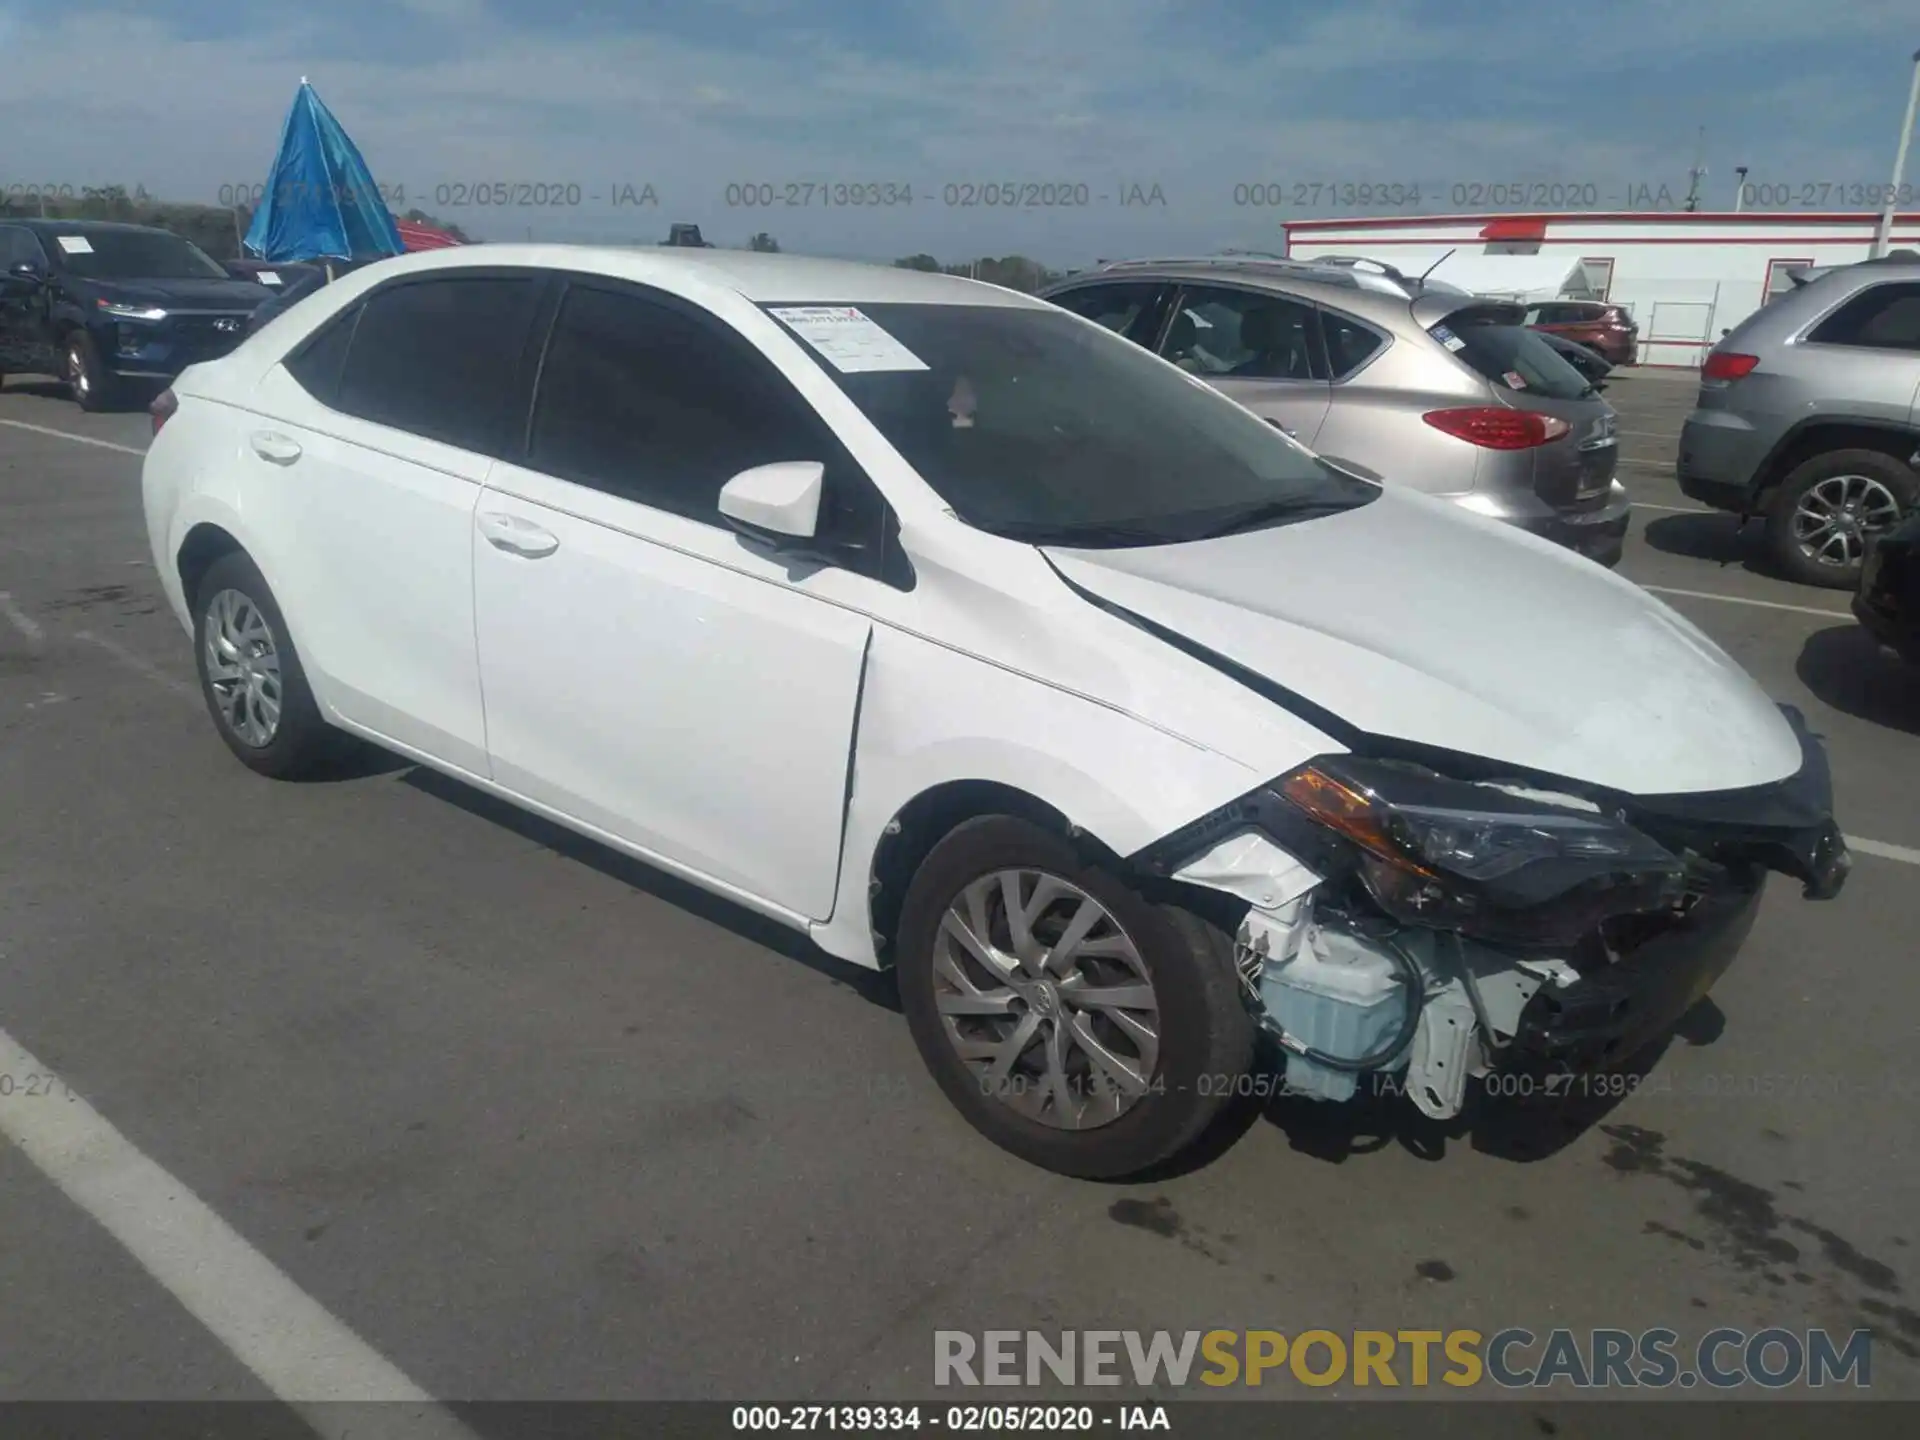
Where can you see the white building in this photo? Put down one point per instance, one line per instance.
(1685, 278)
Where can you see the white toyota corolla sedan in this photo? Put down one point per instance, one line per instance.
(972, 640)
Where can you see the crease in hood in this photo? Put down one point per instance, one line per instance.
(1412, 619)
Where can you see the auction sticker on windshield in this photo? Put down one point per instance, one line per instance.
(76, 244)
(849, 340)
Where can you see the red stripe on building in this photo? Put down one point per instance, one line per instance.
(1615, 217)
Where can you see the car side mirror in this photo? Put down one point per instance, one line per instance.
(776, 504)
(23, 275)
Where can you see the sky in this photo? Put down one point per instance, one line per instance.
(1121, 127)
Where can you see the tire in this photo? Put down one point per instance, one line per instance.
(1870, 477)
(94, 387)
(234, 600)
(1205, 1035)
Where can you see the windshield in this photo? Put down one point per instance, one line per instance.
(1510, 355)
(132, 255)
(1037, 425)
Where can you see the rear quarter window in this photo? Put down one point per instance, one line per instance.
(1491, 341)
(1882, 317)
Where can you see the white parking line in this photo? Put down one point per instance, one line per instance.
(1648, 435)
(1674, 509)
(77, 439)
(20, 620)
(299, 1351)
(1743, 600)
(1885, 851)
(1666, 465)
(136, 663)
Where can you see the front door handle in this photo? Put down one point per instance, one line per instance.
(517, 536)
(1283, 429)
(273, 446)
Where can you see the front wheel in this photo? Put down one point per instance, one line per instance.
(1071, 1020)
(1828, 506)
(94, 386)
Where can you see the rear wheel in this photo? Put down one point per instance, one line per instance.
(1072, 1021)
(1823, 512)
(251, 677)
(92, 384)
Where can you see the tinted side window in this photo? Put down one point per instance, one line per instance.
(1124, 309)
(1884, 317)
(317, 363)
(1239, 334)
(13, 246)
(441, 358)
(1349, 343)
(646, 402)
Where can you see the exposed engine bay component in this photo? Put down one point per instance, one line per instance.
(1402, 919)
(1343, 997)
(1347, 1001)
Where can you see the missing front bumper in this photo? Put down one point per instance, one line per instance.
(1613, 1012)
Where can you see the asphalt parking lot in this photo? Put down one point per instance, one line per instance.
(530, 1121)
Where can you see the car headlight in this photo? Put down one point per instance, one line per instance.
(1479, 859)
(131, 312)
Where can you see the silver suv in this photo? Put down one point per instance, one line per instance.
(1419, 385)
(1809, 415)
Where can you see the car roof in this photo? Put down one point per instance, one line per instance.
(56, 226)
(758, 276)
(1331, 288)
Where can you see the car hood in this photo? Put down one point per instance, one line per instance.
(1412, 619)
(232, 295)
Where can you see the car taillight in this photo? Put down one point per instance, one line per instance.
(1494, 427)
(164, 404)
(1727, 365)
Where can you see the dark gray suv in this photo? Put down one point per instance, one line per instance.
(1418, 385)
(1809, 416)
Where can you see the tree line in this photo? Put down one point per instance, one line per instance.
(219, 230)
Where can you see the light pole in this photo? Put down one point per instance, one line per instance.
(1740, 188)
(1899, 165)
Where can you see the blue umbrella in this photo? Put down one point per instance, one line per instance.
(320, 202)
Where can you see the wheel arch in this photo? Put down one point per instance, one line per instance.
(205, 542)
(936, 812)
(1818, 435)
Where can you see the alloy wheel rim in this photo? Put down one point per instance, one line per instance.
(1834, 518)
(77, 371)
(1044, 996)
(243, 668)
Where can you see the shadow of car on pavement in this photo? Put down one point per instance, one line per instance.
(1851, 671)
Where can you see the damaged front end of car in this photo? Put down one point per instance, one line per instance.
(1436, 915)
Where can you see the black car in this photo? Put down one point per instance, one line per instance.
(106, 306)
(1592, 365)
(1888, 601)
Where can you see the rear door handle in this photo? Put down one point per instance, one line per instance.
(517, 536)
(273, 446)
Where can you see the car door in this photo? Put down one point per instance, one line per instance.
(363, 462)
(649, 672)
(1261, 349)
(26, 334)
